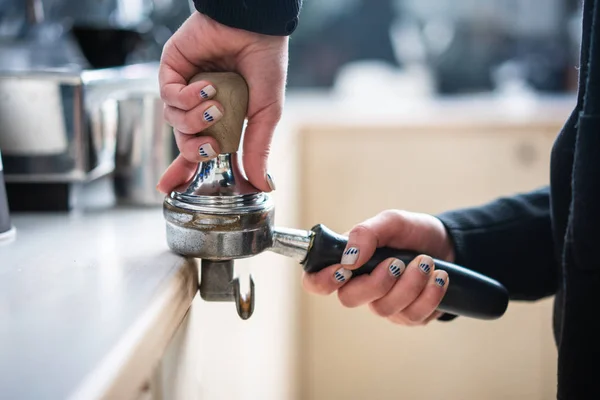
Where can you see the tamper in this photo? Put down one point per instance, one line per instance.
(219, 216)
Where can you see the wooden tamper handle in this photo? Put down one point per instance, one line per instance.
(232, 93)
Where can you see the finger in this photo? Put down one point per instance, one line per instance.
(370, 234)
(196, 148)
(256, 149)
(174, 72)
(426, 304)
(195, 120)
(326, 281)
(187, 96)
(179, 172)
(366, 288)
(407, 289)
(362, 243)
(265, 106)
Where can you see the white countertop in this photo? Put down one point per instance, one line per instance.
(81, 296)
(327, 108)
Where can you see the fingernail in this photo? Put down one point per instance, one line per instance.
(396, 268)
(207, 151)
(207, 92)
(350, 256)
(342, 275)
(425, 266)
(440, 281)
(212, 114)
(270, 182)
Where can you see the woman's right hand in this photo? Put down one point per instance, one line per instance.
(204, 45)
(404, 294)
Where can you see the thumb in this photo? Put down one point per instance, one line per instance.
(388, 228)
(257, 147)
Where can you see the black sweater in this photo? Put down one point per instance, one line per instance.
(537, 244)
(269, 17)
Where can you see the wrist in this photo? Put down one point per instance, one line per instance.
(448, 253)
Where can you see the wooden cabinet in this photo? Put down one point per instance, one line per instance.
(352, 170)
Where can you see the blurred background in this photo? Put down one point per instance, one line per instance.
(462, 46)
(424, 105)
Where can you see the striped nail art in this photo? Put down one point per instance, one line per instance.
(350, 256)
(397, 268)
(425, 267)
(440, 281)
(207, 151)
(212, 114)
(207, 92)
(342, 275)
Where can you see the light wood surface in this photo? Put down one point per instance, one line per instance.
(353, 170)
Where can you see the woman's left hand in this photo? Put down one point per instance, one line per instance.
(404, 294)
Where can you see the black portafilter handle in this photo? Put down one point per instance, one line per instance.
(469, 293)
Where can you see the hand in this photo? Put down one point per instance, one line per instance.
(202, 44)
(407, 295)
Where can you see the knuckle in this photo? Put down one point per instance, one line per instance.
(189, 123)
(345, 300)
(392, 214)
(381, 309)
(399, 320)
(163, 92)
(387, 214)
(380, 287)
(321, 288)
(361, 230)
(310, 285)
(413, 316)
(324, 290)
(414, 288)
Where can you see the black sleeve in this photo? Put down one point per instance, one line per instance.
(510, 240)
(269, 17)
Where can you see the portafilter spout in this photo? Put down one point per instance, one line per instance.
(219, 216)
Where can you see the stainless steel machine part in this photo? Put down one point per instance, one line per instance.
(77, 113)
(293, 243)
(145, 147)
(226, 221)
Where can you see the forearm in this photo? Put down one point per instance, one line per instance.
(510, 240)
(269, 17)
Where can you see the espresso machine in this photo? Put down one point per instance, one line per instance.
(78, 87)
